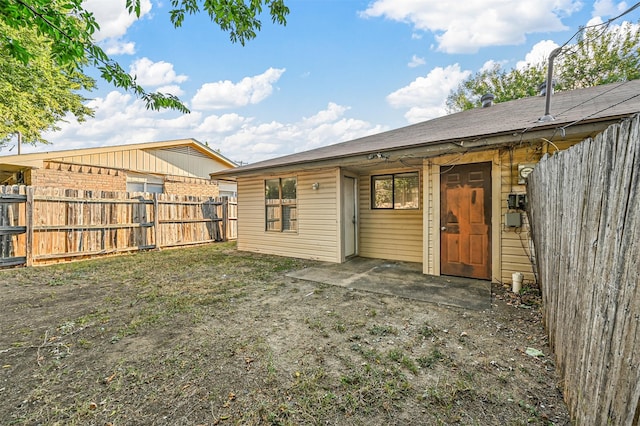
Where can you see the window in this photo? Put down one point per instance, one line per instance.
(280, 204)
(141, 186)
(395, 191)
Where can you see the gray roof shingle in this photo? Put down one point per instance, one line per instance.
(576, 106)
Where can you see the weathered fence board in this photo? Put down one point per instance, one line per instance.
(13, 230)
(39, 225)
(585, 218)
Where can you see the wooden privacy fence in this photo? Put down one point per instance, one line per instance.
(41, 225)
(585, 217)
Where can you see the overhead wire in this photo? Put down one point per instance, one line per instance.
(562, 128)
(563, 51)
(594, 97)
(603, 24)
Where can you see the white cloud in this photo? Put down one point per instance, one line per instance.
(426, 96)
(113, 17)
(596, 20)
(491, 64)
(223, 124)
(266, 140)
(465, 27)
(538, 54)
(151, 73)
(416, 61)
(344, 129)
(118, 47)
(332, 113)
(123, 119)
(171, 89)
(226, 94)
(114, 21)
(606, 8)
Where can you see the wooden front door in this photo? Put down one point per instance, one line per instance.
(465, 220)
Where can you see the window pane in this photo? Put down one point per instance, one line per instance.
(273, 218)
(280, 204)
(382, 192)
(406, 191)
(289, 218)
(156, 188)
(289, 189)
(272, 190)
(135, 186)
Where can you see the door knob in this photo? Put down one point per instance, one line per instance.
(444, 228)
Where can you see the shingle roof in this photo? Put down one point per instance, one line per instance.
(577, 106)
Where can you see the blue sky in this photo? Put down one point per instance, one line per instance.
(338, 70)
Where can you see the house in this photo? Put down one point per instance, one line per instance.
(448, 193)
(179, 167)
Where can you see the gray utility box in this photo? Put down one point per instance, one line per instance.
(513, 220)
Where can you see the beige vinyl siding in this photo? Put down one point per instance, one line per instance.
(516, 242)
(317, 235)
(153, 161)
(189, 159)
(388, 234)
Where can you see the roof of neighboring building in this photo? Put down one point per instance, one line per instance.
(36, 158)
(569, 108)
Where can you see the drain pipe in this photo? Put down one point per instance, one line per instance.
(547, 114)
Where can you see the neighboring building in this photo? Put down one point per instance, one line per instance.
(446, 192)
(179, 167)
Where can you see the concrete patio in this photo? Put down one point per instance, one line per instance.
(401, 279)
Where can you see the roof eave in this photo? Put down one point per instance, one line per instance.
(479, 141)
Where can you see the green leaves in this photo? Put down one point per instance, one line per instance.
(237, 17)
(55, 38)
(603, 55)
(37, 93)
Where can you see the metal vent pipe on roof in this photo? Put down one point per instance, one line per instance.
(487, 100)
(547, 114)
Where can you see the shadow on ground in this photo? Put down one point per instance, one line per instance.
(402, 279)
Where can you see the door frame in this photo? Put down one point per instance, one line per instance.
(431, 197)
(458, 231)
(343, 228)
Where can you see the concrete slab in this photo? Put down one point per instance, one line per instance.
(402, 279)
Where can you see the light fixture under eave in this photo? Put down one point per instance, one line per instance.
(377, 155)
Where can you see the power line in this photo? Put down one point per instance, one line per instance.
(603, 24)
(563, 128)
(594, 97)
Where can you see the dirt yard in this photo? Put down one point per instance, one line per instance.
(212, 336)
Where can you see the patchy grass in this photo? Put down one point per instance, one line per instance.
(209, 335)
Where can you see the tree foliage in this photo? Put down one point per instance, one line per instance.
(602, 55)
(36, 94)
(65, 45)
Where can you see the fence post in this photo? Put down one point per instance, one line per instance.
(29, 224)
(225, 218)
(156, 222)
